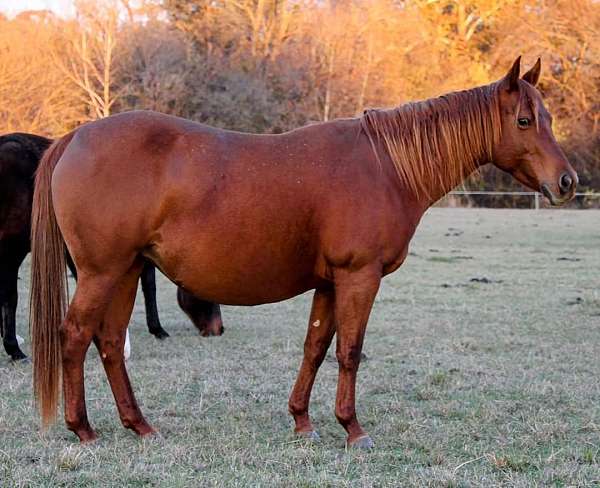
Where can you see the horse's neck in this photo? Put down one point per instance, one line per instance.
(434, 190)
(436, 144)
(437, 192)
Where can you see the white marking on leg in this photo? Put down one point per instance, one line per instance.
(316, 323)
(127, 349)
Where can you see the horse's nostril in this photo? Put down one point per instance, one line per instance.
(565, 183)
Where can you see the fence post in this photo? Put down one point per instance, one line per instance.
(537, 200)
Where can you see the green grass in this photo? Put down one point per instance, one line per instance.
(485, 382)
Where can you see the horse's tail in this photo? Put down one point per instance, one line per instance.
(49, 294)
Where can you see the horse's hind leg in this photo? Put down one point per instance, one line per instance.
(321, 328)
(8, 312)
(148, 279)
(83, 319)
(110, 339)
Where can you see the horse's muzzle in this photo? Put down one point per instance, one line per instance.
(567, 184)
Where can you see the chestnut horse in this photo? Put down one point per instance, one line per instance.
(247, 219)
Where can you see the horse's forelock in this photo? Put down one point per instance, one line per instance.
(529, 95)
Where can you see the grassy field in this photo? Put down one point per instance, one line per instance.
(482, 369)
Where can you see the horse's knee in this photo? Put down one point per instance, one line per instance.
(348, 357)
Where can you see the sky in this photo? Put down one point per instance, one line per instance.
(12, 7)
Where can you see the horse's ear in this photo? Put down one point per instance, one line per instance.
(511, 80)
(533, 75)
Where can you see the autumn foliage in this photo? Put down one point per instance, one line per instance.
(271, 65)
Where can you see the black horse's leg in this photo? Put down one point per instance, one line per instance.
(206, 316)
(71, 266)
(148, 278)
(8, 314)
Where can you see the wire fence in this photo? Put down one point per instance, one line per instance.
(537, 197)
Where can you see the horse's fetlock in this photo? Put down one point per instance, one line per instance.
(345, 415)
(296, 407)
(75, 423)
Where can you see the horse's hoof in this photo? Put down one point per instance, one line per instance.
(363, 442)
(210, 329)
(310, 435)
(145, 430)
(20, 359)
(152, 436)
(161, 334)
(87, 437)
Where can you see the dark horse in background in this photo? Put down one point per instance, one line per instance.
(20, 155)
(245, 219)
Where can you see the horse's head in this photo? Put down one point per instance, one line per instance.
(527, 148)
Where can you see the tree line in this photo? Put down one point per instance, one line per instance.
(272, 65)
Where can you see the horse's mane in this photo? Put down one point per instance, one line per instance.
(436, 143)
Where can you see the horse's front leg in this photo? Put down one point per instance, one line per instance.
(354, 295)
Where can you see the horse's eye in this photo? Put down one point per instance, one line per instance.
(523, 122)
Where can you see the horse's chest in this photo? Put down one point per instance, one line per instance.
(396, 261)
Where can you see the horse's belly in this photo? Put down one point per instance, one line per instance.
(244, 292)
(234, 272)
